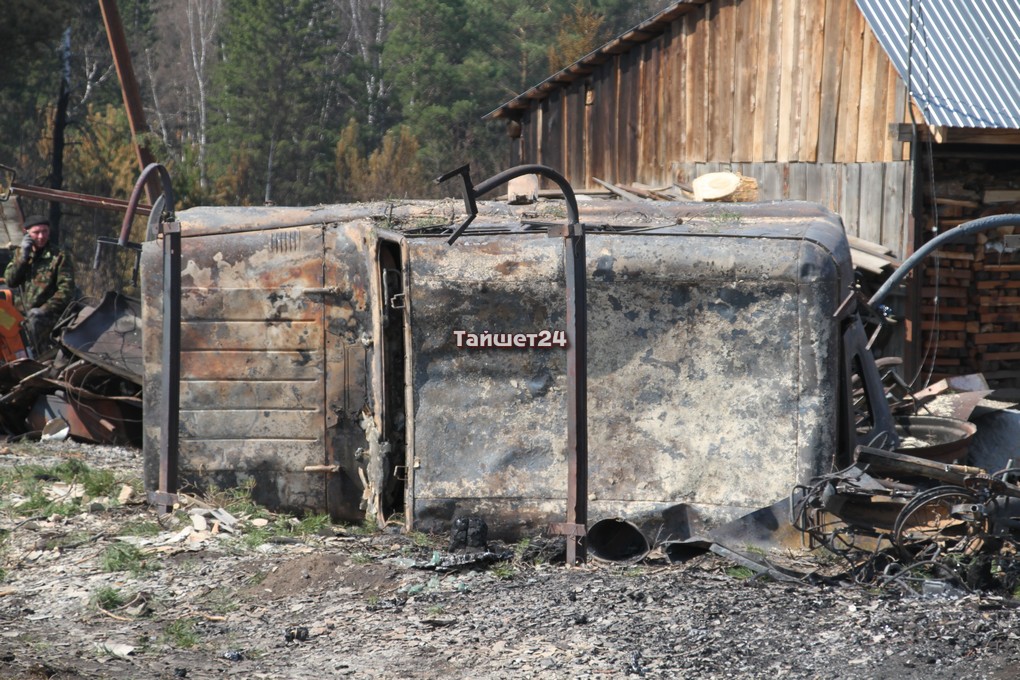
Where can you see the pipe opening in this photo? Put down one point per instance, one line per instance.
(617, 540)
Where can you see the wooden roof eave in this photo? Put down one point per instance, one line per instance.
(641, 33)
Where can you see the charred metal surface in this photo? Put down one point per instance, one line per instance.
(575, 280)
(349, 340)
(109, 335)
(91, 417)
(725, 319)
(274, 347)
(714, 362)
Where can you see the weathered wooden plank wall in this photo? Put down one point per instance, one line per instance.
(870, 197)
(786, 82)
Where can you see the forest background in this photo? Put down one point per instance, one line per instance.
(286, 102)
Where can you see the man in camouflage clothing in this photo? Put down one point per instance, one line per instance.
(46, 277)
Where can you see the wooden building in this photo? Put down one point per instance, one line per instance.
(809, 97)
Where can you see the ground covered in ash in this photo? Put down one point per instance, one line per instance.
(93, 584)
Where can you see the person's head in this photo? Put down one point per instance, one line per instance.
(39, 229)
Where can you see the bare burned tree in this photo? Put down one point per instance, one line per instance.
(179, 69)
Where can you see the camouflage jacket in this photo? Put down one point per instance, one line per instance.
(46, 279)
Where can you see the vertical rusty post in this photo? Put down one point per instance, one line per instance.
(575, 528)
(170, 388)
(129, 89)
(577, 391)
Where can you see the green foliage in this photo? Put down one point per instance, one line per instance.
(390, 171)
(423, 540)
(739, 573)
(576, 38)
(33, 484)
(108, 598)
(124, 557)
(181, 633)
(521, 548)
(253, 537)
(503, 571)
(140, 528)
(367, 528)
(256, 112)
(311, 524)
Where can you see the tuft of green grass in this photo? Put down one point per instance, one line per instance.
(140, 528)
(367, 528)
(503, 571)
(181, 633)
(256, 578)
(221, 601)
(237, 500)
(312, 524)
(124, 557)
(107, 598)
(739, 573)
(521, 548)
(422, 540)
(30, 482)
(253, 537)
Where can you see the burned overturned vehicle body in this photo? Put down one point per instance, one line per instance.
(349, 359)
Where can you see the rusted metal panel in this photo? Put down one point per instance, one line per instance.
(90, 417)
(348, 339)
(109, 335)
(714, 359)
(275, 348)
(726, 320)
(248, 332)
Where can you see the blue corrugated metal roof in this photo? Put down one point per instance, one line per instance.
(961, 58)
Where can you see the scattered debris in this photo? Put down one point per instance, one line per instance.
(90, 389)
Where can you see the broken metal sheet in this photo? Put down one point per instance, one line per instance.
(90, 377)
(15, 372)
(684, 550)
(109, 335)
(935, 438)
(90, 418)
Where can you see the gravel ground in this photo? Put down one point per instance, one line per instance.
(208, 600)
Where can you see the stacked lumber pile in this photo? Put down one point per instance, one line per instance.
(976, 324)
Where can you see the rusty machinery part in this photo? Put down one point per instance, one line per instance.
(895, 388)
(167, 213)
(814, 511)
(940, 521)
(924, 577)
(472, 192)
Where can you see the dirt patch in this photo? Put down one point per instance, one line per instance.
(342, 603)
(317, 573)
